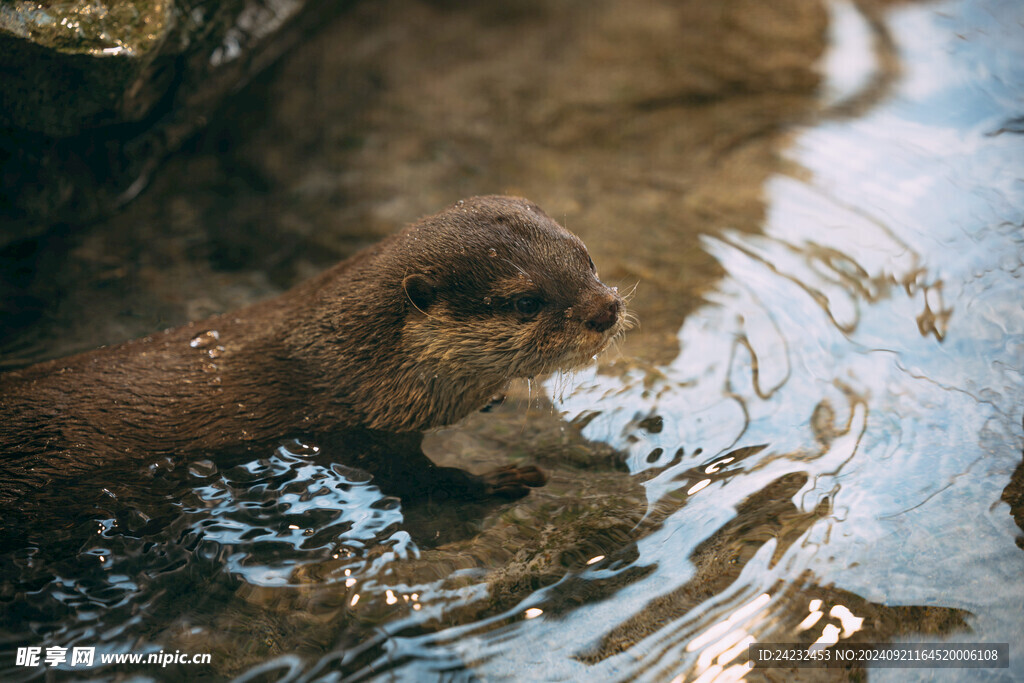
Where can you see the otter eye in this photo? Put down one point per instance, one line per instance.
(528, 305)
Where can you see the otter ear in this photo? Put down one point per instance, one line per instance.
(420, 291)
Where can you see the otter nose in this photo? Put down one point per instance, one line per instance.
(606, 316)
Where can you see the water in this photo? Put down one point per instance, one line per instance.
(826, 455)
(872, 340)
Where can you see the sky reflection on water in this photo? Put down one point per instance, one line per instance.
(872, 338)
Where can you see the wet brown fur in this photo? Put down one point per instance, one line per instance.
(413, 333)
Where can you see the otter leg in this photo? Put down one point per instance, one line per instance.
(513, 482)
(397, 462)
(508, 482)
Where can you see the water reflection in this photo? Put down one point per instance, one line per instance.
(128, 560)
(866, 338)
(266, 517)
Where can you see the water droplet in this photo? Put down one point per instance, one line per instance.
(460, 202)
(296, 447)
(204, 339)
(492, 252)
(215, 351)
(568, 312)
(487, 301)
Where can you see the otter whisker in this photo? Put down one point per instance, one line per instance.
(569, 377)
(529, 404)
(560, 383)
(617, 344)
(628, 296)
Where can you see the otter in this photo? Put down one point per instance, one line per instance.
(410, 334)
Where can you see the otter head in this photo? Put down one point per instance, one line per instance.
(495, 290)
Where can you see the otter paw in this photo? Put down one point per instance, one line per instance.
(513, 482)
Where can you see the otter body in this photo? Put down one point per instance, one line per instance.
(413, 333)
